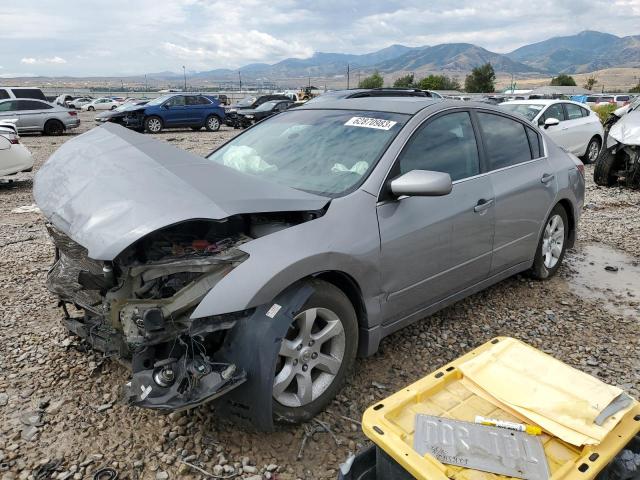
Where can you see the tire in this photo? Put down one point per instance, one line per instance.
(53, 127)
(593, 151)
(549, 256)
(153, 124)
(604, 172)
(212, 123)
(113, 107)
(91, 109)
(329, 309)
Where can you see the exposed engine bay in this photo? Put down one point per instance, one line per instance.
(138, 307)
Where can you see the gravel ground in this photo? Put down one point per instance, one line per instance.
(58, 403)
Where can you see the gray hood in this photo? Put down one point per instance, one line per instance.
(110, 186)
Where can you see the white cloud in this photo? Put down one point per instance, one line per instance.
(41, 61)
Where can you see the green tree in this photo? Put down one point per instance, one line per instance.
(372, 81)
(481, 79)
(406, 81)
(563, 80)
(590, 83)
(635, 89)
(439, 82)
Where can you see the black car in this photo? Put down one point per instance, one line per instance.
(252, 115)
(231, 113)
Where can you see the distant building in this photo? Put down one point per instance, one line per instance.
(557, 91)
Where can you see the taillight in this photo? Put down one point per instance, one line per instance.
(12, 137)
(72, 113)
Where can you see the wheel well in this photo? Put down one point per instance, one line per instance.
(597, 135)
(54, 120)
(568, 208)
(350, 288)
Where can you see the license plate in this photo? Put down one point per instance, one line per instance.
(481, 447)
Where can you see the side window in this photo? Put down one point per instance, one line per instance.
(28, 93)
(446, 144)
(573, 111)
(3, 94)
(191, 100)
(177, 101)
(554, 111)
(534, 143)
(585, 112)
(203, 101)
(505, 140)
(8, 106)
(29, 105)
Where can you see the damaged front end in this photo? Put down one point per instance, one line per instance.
(137, 308)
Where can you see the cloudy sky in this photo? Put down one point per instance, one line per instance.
(122, 37)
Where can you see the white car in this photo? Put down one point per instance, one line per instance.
(570, 125)
(79, 102)
(101, 104)
(14, 157)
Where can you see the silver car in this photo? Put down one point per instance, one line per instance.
(257, 274)
(38, 116)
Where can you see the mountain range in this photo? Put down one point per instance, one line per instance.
(584, 52)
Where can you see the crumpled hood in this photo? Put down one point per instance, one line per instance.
(627, 129)
(110, 186)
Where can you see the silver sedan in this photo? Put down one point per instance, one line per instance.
(33, 115)
(258, 273)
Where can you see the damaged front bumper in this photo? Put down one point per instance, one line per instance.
(141, 315)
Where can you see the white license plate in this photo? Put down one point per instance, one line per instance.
(481, 447)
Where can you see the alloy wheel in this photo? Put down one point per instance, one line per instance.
(594, 150)
(553, 241)
(154, 125)
(310, 357)
(213, 123)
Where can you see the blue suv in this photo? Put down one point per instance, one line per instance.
(177, 110)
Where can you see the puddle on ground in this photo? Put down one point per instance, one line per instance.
(608, 275)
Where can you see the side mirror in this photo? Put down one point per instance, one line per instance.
(422, 183)
(551, 122)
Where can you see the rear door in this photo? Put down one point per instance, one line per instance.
(523, 184)
(32, 114)
(578, 132)
(433, 247)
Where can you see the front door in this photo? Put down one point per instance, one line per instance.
(559, 133)
(433, 247)
(177, 113)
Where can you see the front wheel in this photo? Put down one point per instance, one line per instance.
(91, 109)
(593, 150)
(153, 124)
(212, 124)
(316, 355)
(552, 245)
(604, 172)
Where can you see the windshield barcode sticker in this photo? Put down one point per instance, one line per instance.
(366, 122)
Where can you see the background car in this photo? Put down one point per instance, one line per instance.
(14, 157)
(21, 92)
(101, 104)
(300, 242)
(38, 116)
(79, 102)
(248, 103)
(252, 115)
(175, 111)
(117, 115)
(569, 124)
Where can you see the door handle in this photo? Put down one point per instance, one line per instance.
(482, 205)
(547, 177)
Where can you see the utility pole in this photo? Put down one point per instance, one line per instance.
(240, 80)
(146, 89)
(347, 76)
(184, 74)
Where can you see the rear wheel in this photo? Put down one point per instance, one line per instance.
(113, 107)
(153, 124)
(212, 124)
(552, 245)
(604, 172)
(593, 150)
(91, 109)
(53, 127)
(316, 355)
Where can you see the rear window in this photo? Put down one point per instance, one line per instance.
(28, 93)
(3, 94)
(505, 140)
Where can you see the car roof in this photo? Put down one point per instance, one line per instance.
(406, 105)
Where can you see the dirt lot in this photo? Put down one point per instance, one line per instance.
(59, 403)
